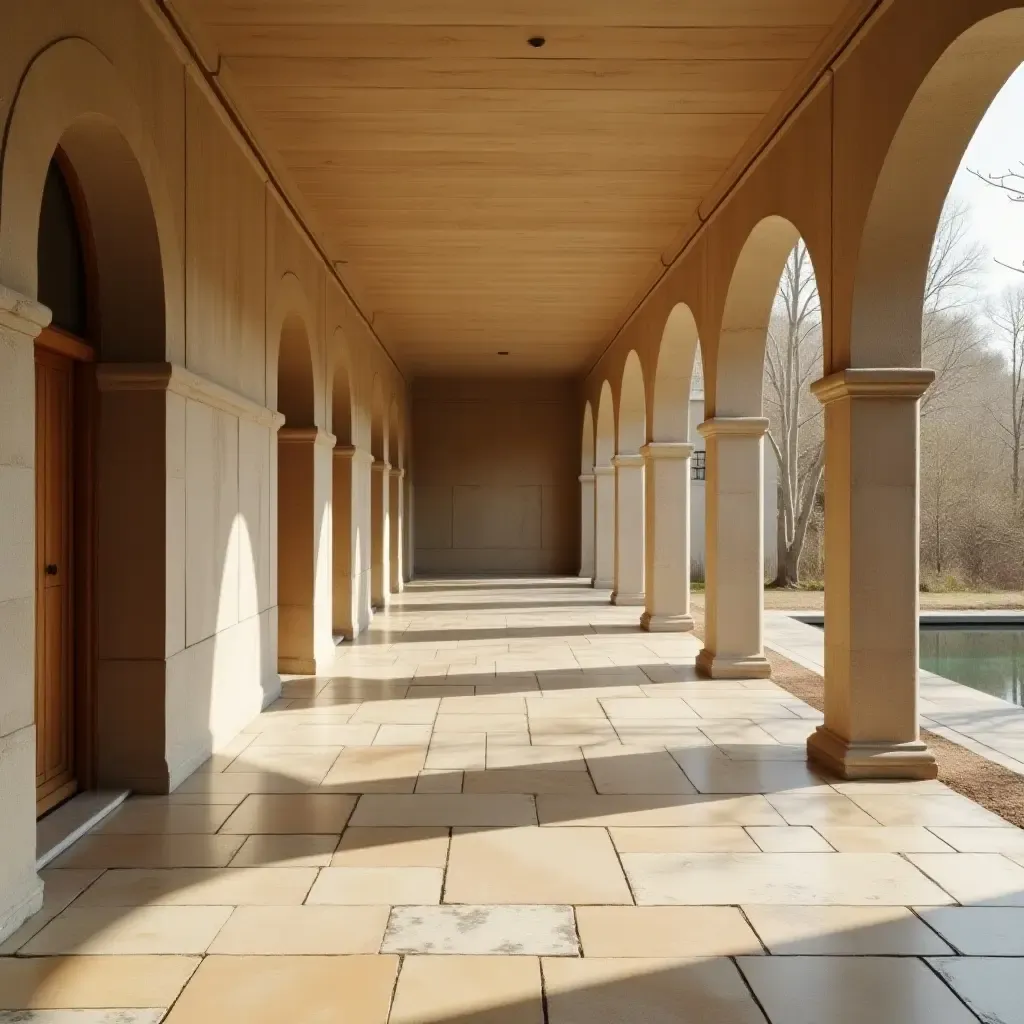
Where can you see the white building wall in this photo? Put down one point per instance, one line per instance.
(771, 476)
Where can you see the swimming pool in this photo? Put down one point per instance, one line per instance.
(989, 658)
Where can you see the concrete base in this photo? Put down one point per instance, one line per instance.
(627, 599)
(603, 584)
(870, 760)
(297, 666)
(753, 666)
(666, 623)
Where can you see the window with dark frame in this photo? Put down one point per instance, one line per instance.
(697, 466)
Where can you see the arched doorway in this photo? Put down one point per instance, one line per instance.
(629, 486)
(296, 541)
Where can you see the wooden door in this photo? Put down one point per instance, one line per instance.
(56, 777)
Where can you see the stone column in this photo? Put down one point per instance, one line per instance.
(734, 549)
(871, 575)
(604, 527)
(21, 891)
(629, 530)
(362, 467)
(380, 534)
(397, 527)
(587, 526)
(346, 553)
(667, 538)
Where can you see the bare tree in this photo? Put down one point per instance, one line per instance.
(1012, 183)
(950, 336)
(792, 360)
(1007, 316)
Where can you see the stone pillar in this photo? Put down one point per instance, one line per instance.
(397, 526)
(629, 530)
(604, 527)
(298, 550)
(667, 538)
(362, 468)
(380, 533)
(21, 891)
(345, 614)
(734, 549)
(587, 526)
(872, 529)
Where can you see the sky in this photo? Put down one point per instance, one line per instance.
(997, 146)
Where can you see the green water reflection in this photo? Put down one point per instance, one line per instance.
(991, 659)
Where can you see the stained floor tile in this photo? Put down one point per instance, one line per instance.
(483, 930)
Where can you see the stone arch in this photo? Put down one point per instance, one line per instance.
(587, 443)
(72, 97)
(674, 374)
(911, 188)
(290, 307)
(632, 419)
(739, 363)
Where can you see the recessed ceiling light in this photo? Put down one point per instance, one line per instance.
(536, 41)
(502, 353)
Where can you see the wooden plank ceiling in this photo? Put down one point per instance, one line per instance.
(481, 195)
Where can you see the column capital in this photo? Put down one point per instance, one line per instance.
(873, 382)
(21, 314)
(352, 452)
(305, 435)
(396, 471)
(734, 426)
(604, 471)
(380, 466)
(627, 460)
(666, 450)
(586, 478)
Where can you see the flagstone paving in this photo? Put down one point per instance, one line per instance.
(507, 803)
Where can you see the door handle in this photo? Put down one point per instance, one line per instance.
(51, 570)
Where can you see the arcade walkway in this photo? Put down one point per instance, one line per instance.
(509, 805)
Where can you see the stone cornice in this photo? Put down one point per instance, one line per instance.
(734, 426)
(21, 314)
(181, 381)
(872, 382)
(627, 460)
(667, 450)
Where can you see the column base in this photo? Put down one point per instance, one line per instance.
(631, 600)
(717, 666)
(666, 623)
(296, 666)
(852, 760)
(603, 584)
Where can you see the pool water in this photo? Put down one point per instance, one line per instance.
(990, 659)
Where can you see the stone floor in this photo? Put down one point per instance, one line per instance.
(508, 805)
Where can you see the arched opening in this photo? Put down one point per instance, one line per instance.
(629, 485)
(668, 509)
(347, 569)
(587, 495)
(296, 541)
(380, 494)
(604, 491)
(396, 517)
(100, 458)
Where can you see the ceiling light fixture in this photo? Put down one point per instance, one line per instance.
(502, 353)
(536, 41)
